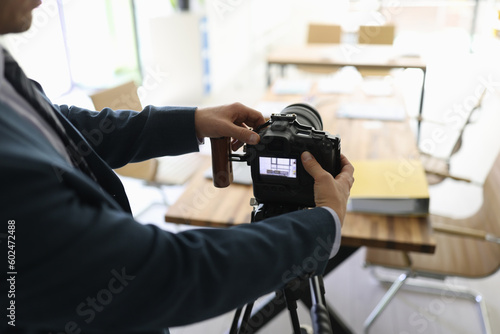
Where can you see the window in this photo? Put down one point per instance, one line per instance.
(85, 43)
(101, 42)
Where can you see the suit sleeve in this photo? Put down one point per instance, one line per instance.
(124, 136)
(84, 265)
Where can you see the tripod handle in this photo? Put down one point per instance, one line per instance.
(222, 168)
(320, 319)
(319, 313)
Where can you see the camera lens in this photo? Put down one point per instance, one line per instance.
(306, 115)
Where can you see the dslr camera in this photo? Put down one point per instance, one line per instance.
(278, 175)
(277, 172)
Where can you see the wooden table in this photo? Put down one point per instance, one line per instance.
(361, 56)
(202, 204)
(368, 56)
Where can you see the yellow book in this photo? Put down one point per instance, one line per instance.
(394, 187)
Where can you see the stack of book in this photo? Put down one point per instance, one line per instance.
(389, 187)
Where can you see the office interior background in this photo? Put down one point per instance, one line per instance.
(215, 53)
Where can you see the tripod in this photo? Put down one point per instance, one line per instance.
(292, 290)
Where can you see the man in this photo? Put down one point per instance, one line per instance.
(77, 260)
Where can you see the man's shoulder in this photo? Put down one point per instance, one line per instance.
(18, 136)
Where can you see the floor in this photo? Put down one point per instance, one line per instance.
(352, 289)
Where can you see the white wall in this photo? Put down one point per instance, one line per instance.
(241, 32)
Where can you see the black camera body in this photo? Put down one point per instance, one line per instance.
(277, 172)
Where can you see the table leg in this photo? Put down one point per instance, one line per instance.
(420, 109)
(269, 75)
(269, 79)
(271, 309)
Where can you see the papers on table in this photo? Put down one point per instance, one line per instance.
(377, 87)
(292, 87)
(344, 81)
(372, 111)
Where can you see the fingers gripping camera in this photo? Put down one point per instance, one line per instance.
(278, 175)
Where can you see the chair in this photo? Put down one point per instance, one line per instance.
(120, 97)
(322, 34)
(383, 34)
(467, 247)
(371, 34)
(438, 168)
(145, 170)
(125, 96)
(155, 172)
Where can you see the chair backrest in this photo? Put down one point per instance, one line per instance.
(124, 96)
(457, 255)
(376, 34)
(488, 216)
(144, 170)
(465, 256)
(475, 108)
(323, 33)
(481, 258)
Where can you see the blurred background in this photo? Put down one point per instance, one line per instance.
(190, 52)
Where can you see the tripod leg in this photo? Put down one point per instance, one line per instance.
(236, 319)
(338, 325)
(244, 322)
(266, 313)
(274, 307)
(291, 303)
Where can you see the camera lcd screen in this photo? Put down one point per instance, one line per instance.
(281, 167)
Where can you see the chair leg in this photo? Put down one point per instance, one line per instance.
(433, 288)
(382, 304)
(484, 314)
(456, 291)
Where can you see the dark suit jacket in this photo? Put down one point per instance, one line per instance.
(85, 266)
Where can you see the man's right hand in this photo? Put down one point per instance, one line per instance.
(329, 191)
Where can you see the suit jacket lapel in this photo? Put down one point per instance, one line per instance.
(106, 177)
